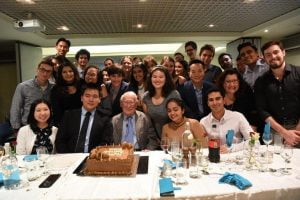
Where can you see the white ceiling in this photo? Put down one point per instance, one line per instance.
(104, 22)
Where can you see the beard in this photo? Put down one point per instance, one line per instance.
(276, 65)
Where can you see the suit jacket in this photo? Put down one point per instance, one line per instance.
(188, 95)
(116, 108)
(146, 136)
(68, 132)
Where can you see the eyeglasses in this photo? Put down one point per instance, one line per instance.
(232, 81)
(43, 70)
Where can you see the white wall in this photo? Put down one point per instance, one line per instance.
(30, 56)
(293, 56)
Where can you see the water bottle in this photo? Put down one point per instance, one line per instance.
(10, 170)
(214, 144)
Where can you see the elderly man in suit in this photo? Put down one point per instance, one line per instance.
(83, 129)
(133, 126)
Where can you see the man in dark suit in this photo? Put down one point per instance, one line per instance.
(83, 129)
(133, 126)
(116, 88)
(193, 92)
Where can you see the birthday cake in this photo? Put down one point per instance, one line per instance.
(110, 160)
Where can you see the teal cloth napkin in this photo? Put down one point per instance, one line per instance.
(235, 179)
(166, 187)
(229, 137)
(30, 158)
(267, 130)
(169, 162)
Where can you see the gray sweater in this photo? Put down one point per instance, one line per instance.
(26, 93)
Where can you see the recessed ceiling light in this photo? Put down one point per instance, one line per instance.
(250, 1)
(63, 28)
(210, 25)
(266, 30)
(139, 26)
(142, 0)
(26, 1)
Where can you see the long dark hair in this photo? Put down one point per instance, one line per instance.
(168, 86)
(243, 86)
(61, 83)
(31, 120)
(145, 73)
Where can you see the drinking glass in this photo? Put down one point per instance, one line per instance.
(194, 167)
(278, 142)
(175, 151)
(164, 144)
(43, 155)
(286, 154)
(267, 138)
(181, 172)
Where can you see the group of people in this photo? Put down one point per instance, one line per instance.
(140, 101)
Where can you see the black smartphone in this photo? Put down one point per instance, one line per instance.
(49, 181)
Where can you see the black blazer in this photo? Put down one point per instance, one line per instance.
(116, 108)
(188, 95)
(68, 132)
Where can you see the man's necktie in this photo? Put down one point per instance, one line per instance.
(82, 134)
(129, 131)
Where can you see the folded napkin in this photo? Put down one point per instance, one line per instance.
(235, 179)
(170, 163)
(229, 137)
(166, 187)
(30, 158)
(267, 130)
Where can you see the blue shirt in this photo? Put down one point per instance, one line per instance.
(125, 124)
(87, 137)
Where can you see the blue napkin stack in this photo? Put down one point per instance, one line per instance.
(170, 163)
(30, 158)
(267, 130)
(229, 137)
(166, 187)
(235, 179)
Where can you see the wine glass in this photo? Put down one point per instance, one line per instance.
(286, 154)
(164, 144)
(43, 155)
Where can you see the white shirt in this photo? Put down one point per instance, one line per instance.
(230, 120)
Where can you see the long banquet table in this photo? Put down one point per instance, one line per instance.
(145, 186)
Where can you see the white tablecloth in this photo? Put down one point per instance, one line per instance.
(71, 186)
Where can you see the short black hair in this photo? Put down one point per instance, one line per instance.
(215, 89)
(190, 43)
(223, 54)
(178, 53)
(207, 47)
(91, 86)
(106, 59)
(83, 52)
(31, 119)
(196, 61)
(63, 40)
(246, 44)
(115, 70)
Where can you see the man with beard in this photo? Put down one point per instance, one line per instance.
(278, 94)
